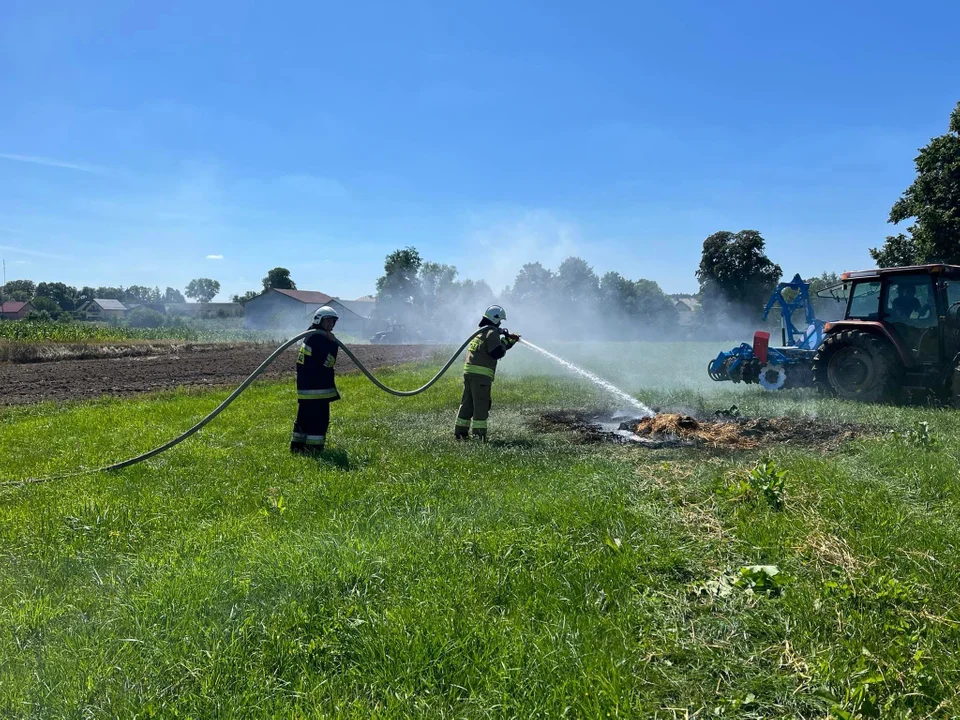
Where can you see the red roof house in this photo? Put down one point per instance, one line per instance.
(14, 310)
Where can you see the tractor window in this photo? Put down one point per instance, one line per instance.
(865, 301)
(910, 301)
(911, 309)
(953, 297)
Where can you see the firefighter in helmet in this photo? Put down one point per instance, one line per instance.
(483, 353)
(316, 387)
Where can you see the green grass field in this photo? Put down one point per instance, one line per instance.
(407, 575)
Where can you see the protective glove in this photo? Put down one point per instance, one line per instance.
(510, 339)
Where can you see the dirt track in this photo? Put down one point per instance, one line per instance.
(21, 384)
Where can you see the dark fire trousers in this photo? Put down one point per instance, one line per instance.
(310, 427)
(474, 405)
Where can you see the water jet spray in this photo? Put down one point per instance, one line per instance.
(598, 381)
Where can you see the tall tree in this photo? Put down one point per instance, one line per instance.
(577, 287)
(202, 289)
(438, 284)
(143, 294)
(736, 277)
(933, 199)
(618, 298)
(42, 303)
(631, 309)
(279, 279)
(657, 312)
(399, 294)
(474, 296)
(84, 295)
(534, 283)
(19, 290)
(63, 295)
(172, 295)
(577, 280)
(898, 251)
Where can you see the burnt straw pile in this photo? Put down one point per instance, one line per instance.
(668, 430)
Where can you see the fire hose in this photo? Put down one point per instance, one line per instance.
(243, 386)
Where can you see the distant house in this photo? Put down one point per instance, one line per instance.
(103, 309)
(13, 310)
(293, 309)
(687, 308)
(363, 307)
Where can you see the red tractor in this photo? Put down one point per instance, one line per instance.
(900, 335)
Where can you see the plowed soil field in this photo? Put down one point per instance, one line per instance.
(64, 380)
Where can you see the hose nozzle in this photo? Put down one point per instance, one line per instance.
(513, 338)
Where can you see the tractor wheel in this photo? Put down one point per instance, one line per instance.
(798, 376)
(855, 365)
(772, 377)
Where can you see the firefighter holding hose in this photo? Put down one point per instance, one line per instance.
(316, 387)
(478, 373)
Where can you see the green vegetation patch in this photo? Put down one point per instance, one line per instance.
(405, 574)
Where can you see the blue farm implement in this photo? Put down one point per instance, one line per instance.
(776, 368)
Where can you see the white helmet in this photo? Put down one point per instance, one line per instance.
(495, 314)
(324, 312)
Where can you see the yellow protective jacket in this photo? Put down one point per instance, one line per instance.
(484, 351)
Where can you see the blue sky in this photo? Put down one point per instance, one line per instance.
(150, 143)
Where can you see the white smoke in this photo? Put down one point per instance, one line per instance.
(497, 249)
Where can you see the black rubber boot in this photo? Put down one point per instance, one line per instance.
(298, 448)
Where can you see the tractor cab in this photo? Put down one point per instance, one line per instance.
(900, 332)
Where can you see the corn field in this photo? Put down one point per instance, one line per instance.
(23, 331)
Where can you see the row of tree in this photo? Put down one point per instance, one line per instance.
(736, 279)
(574, 300)
(571, 301)
(426, 296)
(58, 301)
(70, 298)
